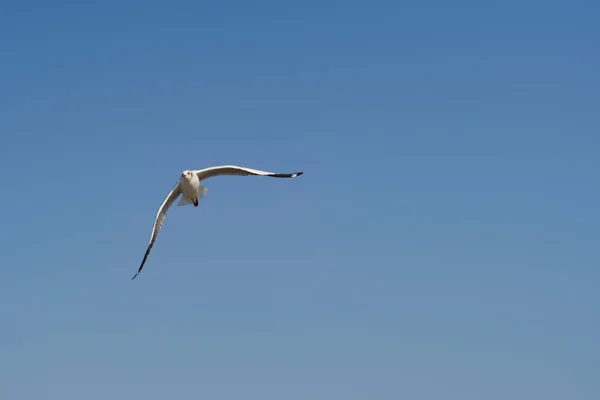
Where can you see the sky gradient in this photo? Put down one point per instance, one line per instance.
(442, 243)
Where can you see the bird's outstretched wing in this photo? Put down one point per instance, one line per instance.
(158, 221)
(239, 171)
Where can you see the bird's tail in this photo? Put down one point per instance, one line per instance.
(183, 201)
(201, 192)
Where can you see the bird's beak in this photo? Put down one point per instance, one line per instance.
(183, 175)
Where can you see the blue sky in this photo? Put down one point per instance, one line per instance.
(442, 243)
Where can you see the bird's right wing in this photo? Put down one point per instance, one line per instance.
(158, 221)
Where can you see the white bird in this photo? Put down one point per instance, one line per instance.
(188, 186)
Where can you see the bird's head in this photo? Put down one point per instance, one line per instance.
(186, 175)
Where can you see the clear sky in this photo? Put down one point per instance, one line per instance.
(442, 243)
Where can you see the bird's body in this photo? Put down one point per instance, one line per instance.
(191, 191)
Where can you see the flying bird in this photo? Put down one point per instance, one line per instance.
(189, 188)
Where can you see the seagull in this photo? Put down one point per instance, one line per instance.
(188, 186)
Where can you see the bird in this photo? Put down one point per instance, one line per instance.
(191, 191)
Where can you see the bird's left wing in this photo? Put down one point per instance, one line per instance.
(158, 221)
(239, 171)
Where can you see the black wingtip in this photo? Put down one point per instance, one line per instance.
(295, 174)
(136, 274)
